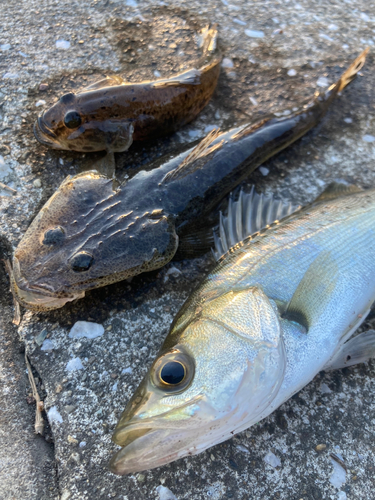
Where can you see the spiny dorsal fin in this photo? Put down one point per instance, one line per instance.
(189, 165)
(251, 213)
(336, 190)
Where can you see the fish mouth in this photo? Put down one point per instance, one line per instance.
(44, 134)
(36, 297)
(143, 448)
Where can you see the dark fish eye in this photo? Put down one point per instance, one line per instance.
(54, 236)
(172, 373)
(81, 261)
(72, 119)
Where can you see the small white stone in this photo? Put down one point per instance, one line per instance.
(324, 389)
(348, 120)
(73, 365)
(114, 387)
(253, 101)
(292, 72)
(37, 183)
(368, 138)
(54, 415)
(47, 345)
(5, 46)
(86, 329)
(264, 171)
(41, 102)
(157, 73)
(242, 448)
(82, 444)
(227, 63)
(254, 33)
(342, 496)
(4, 168)
(364, 16)
(272, 459)
(345, 46)
(10, 76)
(61, 161)
(333, 27)
(238, 21)
(131, 3)
(62, 44)
(173, 271)
(338, 476)
(165, 493)
(127, 370)
(322, 81)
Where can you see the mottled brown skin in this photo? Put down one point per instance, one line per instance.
(93, 232)
(111, 114)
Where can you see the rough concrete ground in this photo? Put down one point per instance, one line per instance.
(302, 42)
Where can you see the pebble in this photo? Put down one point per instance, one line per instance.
(58, 389)
(292, 72)
(4, 168)
(43, 86)
(321, 447)
(165, 493)
(342, 496)
(348, 120)
(264, 171)
(227, 63)
(47, 345)
(254, 33)
(82, 444)
(368, 138)
(62, 44)
(338, 476)
(322, 81)
(54, 415)
(272, 460)
(253, 101)
(127, 370)
(37, 183)
(131, 3)
(86, 329)
(141, 478)
(41, 102)
(238, 21)
(72, 440)
(69, 409)
(5, 46)
(74, 364)
(157, 73)
(10, 76)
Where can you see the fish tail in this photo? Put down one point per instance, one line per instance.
(352, 71)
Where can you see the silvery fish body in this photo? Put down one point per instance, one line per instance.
(279, 307)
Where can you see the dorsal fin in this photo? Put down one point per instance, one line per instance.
(189, 165)
(352, 71)
(251, 213)
(337, 189)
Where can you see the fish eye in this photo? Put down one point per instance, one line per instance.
(54, 236)
(172, 373)
(81, 261)
(72, 119)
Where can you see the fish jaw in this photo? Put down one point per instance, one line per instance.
(44, 134)
(37, 298)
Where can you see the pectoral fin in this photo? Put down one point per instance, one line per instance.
(357, 350)
(313, 292)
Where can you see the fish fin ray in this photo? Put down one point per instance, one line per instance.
(313, 291)
(350, 73)
(189, 165)
(251, 213)
(336, 190)
(108, 81)
(358, 349)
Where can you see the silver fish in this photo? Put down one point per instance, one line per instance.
(279, 306)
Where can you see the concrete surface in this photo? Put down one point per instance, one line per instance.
(303, 43)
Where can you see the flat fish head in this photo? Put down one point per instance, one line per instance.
(213, 377)
(86, 237)
(84, 122)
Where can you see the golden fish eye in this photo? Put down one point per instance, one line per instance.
(172, 373)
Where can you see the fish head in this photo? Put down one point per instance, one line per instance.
(81, 122)
(86, 236)
(217, 373)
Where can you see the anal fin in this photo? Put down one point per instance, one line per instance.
(357, 350)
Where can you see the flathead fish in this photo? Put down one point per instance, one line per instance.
(279, 306)
(93, 232)
(112, 113)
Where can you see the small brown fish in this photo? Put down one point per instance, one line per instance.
(111, 114)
